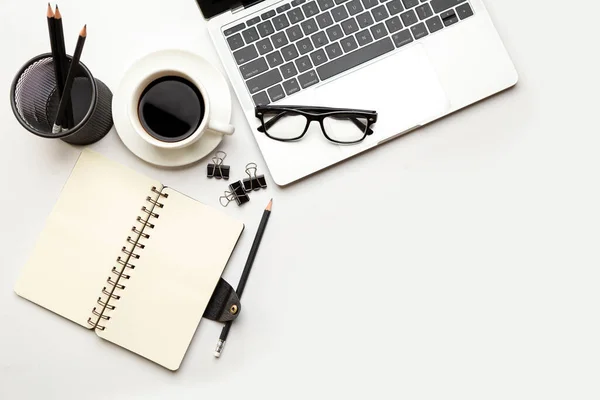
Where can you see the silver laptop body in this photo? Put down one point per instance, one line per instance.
(412, 61)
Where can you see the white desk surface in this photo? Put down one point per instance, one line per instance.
(458, 262)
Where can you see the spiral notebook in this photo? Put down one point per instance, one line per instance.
(129, 258)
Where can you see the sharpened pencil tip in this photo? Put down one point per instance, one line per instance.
(50, 13)
(270, 205)
(83, 32)
(57, 14)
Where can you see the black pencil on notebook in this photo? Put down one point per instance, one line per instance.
(73, 70)
(63, 62)
(245, 273)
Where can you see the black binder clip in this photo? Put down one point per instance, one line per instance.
(235, 193)
(254, 182)
(217, 169)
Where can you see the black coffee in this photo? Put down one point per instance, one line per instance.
(171, 109)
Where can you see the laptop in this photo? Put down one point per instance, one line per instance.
(412, 61)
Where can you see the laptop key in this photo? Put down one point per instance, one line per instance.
(291, 86)
(234, 29)
(268, 15)
(324, 20)
(325, 4)
(279, 39)
(394, 7)
(289, 52)
(365, 19)
(335, 33)
(449, 18)
(246, 54)
(235, 42)
(303, 64)
(309, 26)
(253, 21)
(434, 24)
(253, 68)
(310, 9)
(349, 44)
(294, 33)
(369, 3)
(394, 24)
(265, 28)
(305, 46)
(410, 3)
(308, 79)
(295, 15)
(250, 35)
(443, 5)
(261, 99)
(340, 1)
(288, 70)
(339, 13)
(264, 46)
(409, 18)
(264, 81)
(318, 57)
(464, 11)
(354, 7)
(351, 60)
(402, 38)
(333, 50)
(380, 13)
(280, 22)
(419, 31)
(349, 26)
(274, 59)
(276, 93)
(298, 2)
(424, 11)
(283, 8)
(378, 31)
(319, 39)
(364, 37)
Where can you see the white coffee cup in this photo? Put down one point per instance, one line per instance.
(207, 124)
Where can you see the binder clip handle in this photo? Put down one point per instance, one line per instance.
(218, 169)
(226, 199)
(254, 181)
(219, 157)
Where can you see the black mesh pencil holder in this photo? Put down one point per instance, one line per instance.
(34, 99)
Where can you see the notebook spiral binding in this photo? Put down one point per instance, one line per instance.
(110, 293)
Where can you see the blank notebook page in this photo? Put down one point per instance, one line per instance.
(173, 280)
(83, 237)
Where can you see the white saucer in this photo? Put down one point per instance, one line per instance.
(194, 66)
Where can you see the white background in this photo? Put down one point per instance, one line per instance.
(460, 261)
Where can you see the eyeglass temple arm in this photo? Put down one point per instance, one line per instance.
(361, 126)
(272, 121)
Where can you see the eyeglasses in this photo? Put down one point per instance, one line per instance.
(339, 125)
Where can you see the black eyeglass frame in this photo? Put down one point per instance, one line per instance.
(317, 114)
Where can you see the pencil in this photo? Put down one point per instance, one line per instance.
(63, 61)
(66, 97)
(245, 273)
(53, 46)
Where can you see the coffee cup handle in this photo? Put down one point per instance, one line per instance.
(223, 129)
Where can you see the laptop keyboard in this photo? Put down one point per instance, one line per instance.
(299, 44)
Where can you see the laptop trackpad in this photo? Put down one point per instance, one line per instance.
(403, 88)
